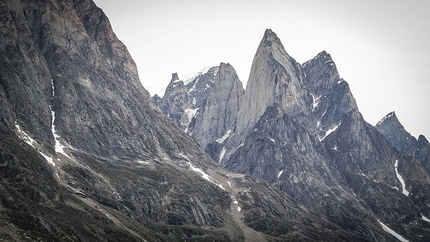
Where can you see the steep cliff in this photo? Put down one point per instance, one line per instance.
(206, 107)
(299, 128)
(399, 138)
(87, 156)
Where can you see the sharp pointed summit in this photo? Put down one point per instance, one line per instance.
(175, 77)
(402, 140)
(275, 78)
(396, 134)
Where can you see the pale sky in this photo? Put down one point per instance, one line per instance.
(381, 48)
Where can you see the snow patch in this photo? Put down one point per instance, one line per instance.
(142, 162)
(190, 115)
(27, 139)
(229, 183)
(272, 140)
(316, 101)
(193, 75)
(280, 173)
(392, 232)
(220, 185)
(404, 191)
(48, 159)
(330, 131)
(425, 218)
(222, 154)
(224, 137)
(238, 209)
(204, 175)
(59, 148)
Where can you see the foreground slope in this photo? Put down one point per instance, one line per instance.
(299, 128)
(86, 155)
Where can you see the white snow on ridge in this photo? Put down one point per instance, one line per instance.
(404, 191)
(392, 232)
(330, 131)
(386, 117)
(191, 76)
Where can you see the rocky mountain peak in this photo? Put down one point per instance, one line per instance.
(275, 78)
(396, 134)
(321, 73)
(270, 38)
(390, 118)
(175, 77)
(398, 137)
(299, 128)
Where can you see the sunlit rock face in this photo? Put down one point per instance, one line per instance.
(275, 78)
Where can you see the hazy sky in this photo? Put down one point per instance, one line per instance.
(381, 48)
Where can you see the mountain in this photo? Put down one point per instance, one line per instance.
(403, 141)
(299, 128)
(207, 106)
(396, 134)
(86, 155)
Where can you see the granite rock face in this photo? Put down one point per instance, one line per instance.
(275, 78)
(209, 104)
(80, 138)
(400, 139)
(299, 128)
(396, 134)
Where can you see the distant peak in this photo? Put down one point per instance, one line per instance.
(174, 77)
(322, 57)
(389, 117)
(324, 54)
(269, 32)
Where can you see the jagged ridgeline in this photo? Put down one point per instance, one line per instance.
(298, 127)
(86, 155)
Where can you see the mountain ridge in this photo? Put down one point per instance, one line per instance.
(299, 128)
(82, 139)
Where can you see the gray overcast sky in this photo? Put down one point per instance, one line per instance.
(381, 48)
